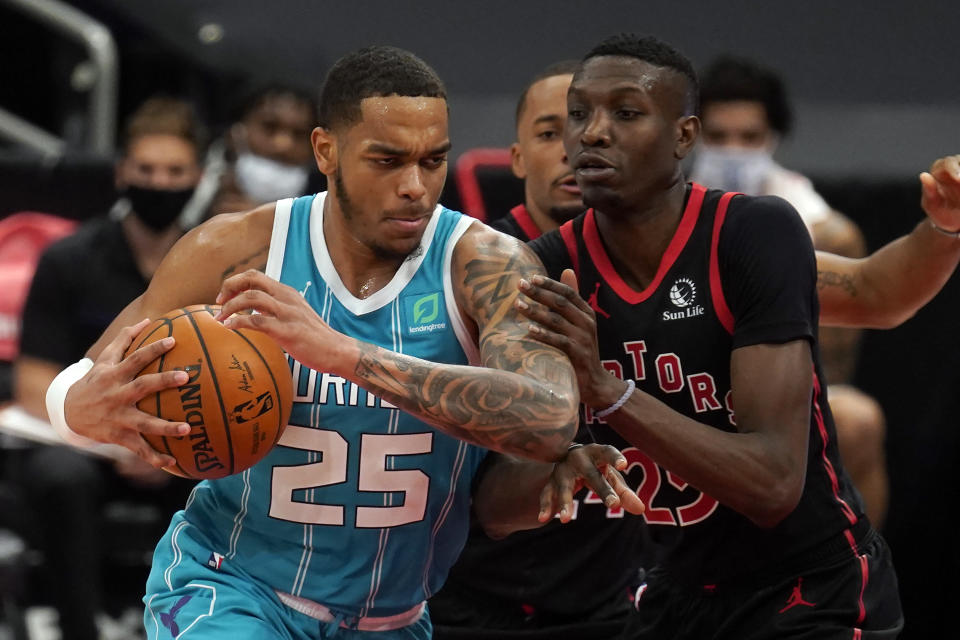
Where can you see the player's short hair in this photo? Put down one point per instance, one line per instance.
(255, 95)
(163, 115)
(653, 51)
(562, 68)
(378, 71)
(730, 78)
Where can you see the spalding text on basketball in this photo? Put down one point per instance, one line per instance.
(192, 403)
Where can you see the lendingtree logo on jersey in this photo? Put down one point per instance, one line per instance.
(424, 313)
(683, 294)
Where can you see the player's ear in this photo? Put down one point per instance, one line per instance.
(688, 130)
(517, 164)
(324, 144)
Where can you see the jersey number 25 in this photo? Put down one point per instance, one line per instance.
(332, 469)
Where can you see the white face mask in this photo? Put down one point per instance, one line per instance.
(733, 169)
(266, 180)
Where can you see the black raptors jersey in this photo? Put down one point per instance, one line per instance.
(517, 223)
(739, 271)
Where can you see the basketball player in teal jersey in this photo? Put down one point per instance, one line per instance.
(383, 300)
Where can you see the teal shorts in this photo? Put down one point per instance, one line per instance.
(192, 593)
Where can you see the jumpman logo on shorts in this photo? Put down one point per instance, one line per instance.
(595, 304)
(796, 598)
(168, 618)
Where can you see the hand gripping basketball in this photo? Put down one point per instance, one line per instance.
(236, 398)
(282, 313)
(102, 405)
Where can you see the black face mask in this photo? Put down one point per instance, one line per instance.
(157, 208)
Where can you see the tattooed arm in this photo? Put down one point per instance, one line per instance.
(886, 288)
(101, 405)
(889, 286)
(523, 400)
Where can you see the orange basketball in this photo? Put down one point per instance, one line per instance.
(237, 398)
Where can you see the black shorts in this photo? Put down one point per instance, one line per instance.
(463, 614)
(854, 597)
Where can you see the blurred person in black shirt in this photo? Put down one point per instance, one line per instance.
(80, 284)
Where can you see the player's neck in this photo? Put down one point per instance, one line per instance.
(540, 218)
(637, 237)
(362, 270)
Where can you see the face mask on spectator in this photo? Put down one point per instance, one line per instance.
(733, 169)
(157, 208)
(266, 180)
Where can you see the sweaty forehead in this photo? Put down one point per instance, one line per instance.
(402, 120)
(609, 74)
(615, 72)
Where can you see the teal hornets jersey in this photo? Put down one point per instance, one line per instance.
(360, 507)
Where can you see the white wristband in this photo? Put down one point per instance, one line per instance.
(57, 395)
(619, 403)
(946, 232)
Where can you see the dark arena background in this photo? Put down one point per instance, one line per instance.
(874, 89)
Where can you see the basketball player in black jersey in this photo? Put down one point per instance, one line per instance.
(705, 305)
(524, 582)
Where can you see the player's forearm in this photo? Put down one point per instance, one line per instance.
(747, 472)
(507, 499)
(503, 411)
(890, 286)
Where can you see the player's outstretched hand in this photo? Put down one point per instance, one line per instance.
(102, 405)
(595, 466)
(941, 192)
(282, 313)
(561, 318)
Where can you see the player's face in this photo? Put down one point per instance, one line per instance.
(738, 124)
(538, 155)
(279, 129)
(159, 161)
(626, 131)
(389, 171)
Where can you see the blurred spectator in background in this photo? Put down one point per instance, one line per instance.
(265, 154)
(80, 284)
(745, 114)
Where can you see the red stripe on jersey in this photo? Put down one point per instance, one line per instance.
(569, 239)
(522, 216)
(847, 511)
(864, 574)
(591, 237)
(827, 465)
(716, 286)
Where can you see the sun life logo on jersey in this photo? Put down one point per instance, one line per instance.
(424, 313)
(683, 294)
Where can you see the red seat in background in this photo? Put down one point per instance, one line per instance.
(486, 184)
(23, 237)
